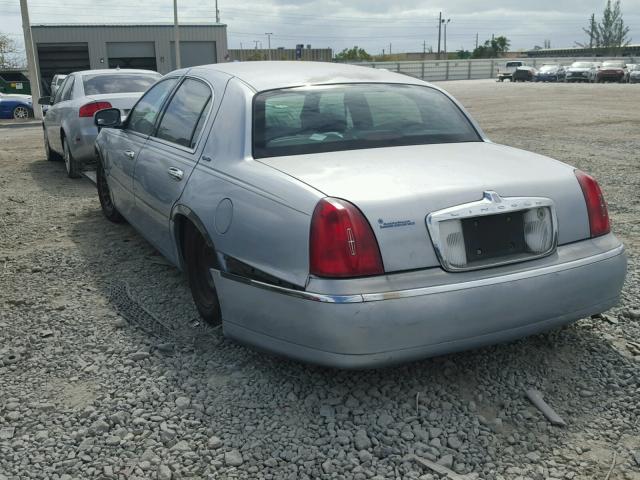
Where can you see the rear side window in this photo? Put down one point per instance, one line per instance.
(64, 92)
(142, 118)
(182, 120)
(118, 83)
(318, 119)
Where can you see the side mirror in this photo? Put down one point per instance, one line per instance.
(44, 101)
(107, 118)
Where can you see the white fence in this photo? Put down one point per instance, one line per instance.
(436, 70)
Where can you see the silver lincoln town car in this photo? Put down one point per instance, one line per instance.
(353, 217)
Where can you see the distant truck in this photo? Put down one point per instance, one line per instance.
(506, 72)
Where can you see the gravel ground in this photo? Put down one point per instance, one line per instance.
(86, 394)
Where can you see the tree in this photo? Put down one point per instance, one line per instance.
(611, 32)
(354, 54)
(492, 48)
(9, 53)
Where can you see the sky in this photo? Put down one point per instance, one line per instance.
(399, 25)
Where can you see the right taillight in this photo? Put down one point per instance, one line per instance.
(341, 242)
(596, 205)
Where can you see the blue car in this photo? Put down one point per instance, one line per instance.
(15, 106)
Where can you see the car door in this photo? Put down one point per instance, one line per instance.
(53, 118)
(123, 145)
(167, 160)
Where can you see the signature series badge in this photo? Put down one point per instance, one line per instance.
(395, 223)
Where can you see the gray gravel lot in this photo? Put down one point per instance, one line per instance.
(86, 394)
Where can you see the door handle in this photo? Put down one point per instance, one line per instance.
(130, 153)
(176, 173)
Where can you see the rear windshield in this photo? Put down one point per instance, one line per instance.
(303, 120)
(581, 64)
(614, 64)
(514, 64)
(13, 77)
(118, 83)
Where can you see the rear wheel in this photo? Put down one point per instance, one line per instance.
(200, 258)
(73, 170)
(104, 195)
(21, 113)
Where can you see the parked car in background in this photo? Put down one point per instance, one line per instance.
(15, 106)
(579, 71)
(611, 71)
(353, 217)
(56, 82)
(69, 131)
(506, 72)
(634, 73)
(524, 74)
(550, 73)
(595, 66)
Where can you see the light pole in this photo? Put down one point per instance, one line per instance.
(445, 38)
(34, 77)
(268, 34)
(176, 33)
(439, 32)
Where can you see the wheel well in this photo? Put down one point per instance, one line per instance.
(62, 135)
(183, 225)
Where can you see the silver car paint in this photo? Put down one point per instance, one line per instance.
(265, 210)
(62, 118)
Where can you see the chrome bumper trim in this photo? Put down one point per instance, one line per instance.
(417, 292)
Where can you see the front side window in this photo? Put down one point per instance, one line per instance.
(142, 118)
(183, 118)
(303, 120)
(102, 83)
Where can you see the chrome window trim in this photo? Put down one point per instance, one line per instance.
(423, 291)
(490, 204)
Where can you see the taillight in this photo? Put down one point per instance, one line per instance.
(341, 242)
(88, 109)
(596, 205)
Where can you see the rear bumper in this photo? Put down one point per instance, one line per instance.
(450, 312)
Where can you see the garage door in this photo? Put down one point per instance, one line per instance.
(63, 58)
(132, 55)
(194, 53)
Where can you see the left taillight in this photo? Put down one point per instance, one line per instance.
(89, 109)
(341, 242)
(596, 205)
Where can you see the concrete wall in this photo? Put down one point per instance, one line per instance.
(433, 71)
(97, 37)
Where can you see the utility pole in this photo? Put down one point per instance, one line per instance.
(439, 32)
(446, 57)
(217, 13)
(476, 40)
(269, 43)
(34, 79)
(389, 49)
(176, 34)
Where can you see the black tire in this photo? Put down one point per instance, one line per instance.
(51, 155)
(21, 112)
(73, 169)
(109, 210)
(199, 258)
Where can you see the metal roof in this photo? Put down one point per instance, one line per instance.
(152, 24)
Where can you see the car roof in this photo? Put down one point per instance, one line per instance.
(110, 71)
(271, 75)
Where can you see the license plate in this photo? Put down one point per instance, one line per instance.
(493, 236)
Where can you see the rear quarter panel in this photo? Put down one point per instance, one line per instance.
(271, 211)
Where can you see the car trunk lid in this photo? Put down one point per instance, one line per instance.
(123, 101)
(396, 188)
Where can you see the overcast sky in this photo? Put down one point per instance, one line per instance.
(372, 24)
